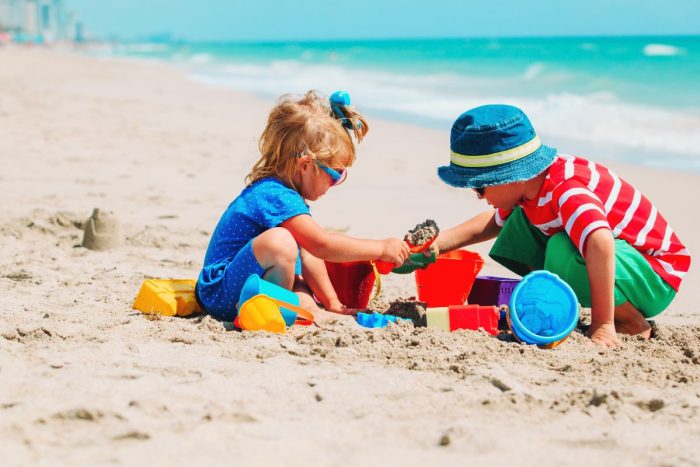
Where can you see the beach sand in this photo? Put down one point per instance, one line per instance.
(85, 380)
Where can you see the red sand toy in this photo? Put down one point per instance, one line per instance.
(472, 317)
(449, 280)
(353, 282)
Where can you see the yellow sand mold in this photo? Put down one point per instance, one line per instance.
(168, 297)
(438, 317)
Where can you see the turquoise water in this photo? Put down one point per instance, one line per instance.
(640, 94)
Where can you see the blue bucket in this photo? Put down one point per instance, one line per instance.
(543, 310)
(255, 285)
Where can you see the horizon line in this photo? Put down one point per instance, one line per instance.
(171, 38)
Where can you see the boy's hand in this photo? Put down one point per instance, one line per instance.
(604, 335)
(394, 251)
(433, 250)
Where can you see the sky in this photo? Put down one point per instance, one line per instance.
(280, 20)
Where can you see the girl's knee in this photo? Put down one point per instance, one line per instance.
(275, 246)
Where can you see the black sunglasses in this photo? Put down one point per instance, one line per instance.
(480, 191)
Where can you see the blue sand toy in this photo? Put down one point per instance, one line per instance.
(376, 320)
(543, 310)
(255, 285)
(339, 100)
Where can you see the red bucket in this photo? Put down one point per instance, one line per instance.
(449, 280)
(353, 282)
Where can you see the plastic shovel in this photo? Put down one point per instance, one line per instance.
(417, 260)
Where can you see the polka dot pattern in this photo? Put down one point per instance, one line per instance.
(229, 259)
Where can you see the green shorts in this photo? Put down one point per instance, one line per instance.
(521, 247)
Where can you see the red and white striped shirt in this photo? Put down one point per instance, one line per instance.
(579, 196)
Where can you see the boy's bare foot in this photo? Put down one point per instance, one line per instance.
(628, 320)
(626, 328)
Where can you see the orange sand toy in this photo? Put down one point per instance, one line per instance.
(263, 313)
(169, 297)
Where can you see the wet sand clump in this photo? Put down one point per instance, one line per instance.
(410, 309)
(378, 305)
(422, 233)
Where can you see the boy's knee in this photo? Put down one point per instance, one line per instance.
(277, 244)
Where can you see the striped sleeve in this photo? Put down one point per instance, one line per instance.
(580, 210)
(501, 216)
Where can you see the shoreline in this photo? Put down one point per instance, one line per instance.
(613, 105)
(612, 153)
(86, 379)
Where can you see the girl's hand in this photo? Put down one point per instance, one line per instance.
(394, 251)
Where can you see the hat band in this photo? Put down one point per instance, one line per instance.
(497, 158)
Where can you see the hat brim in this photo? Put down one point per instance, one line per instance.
(515, 171)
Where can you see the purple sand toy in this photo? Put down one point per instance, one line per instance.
(491, 290)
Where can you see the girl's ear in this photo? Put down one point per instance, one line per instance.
(303, 162)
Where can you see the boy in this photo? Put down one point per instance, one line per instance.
(553, 210)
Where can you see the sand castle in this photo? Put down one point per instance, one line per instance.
(102, 231)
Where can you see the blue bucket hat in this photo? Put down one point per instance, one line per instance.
(494, 145)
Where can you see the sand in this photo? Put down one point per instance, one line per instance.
(85, 380)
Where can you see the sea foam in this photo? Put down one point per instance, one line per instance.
(441, 97)
(662, 50)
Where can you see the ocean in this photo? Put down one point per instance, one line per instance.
(632, 99)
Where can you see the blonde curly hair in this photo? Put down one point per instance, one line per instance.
(305, 126)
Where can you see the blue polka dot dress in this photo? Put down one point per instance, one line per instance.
(229, 259)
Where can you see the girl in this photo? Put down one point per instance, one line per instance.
(306, 148)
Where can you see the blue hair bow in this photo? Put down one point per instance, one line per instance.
(339, 100)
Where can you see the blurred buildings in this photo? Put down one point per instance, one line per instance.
(39, 21)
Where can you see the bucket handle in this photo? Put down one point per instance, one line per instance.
(304, 317)
(377, 280)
